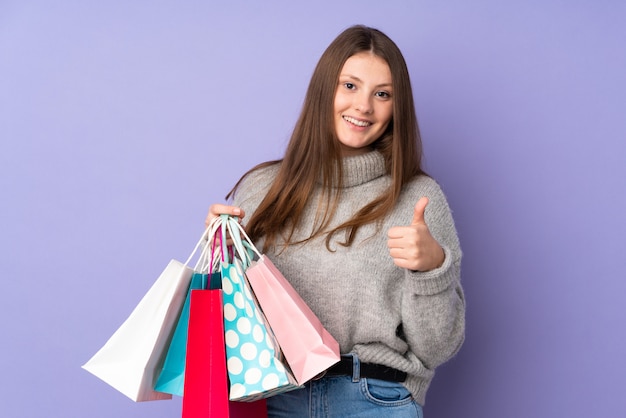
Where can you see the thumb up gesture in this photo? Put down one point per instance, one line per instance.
(413, 247)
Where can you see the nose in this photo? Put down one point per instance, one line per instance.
(363, 103)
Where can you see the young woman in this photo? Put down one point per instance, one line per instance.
(362, 233)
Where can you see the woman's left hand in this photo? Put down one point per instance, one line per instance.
(413, 247)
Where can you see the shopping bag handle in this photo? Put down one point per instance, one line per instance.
(205, 241)
(215, 249)
(225, 254)
(245, 249)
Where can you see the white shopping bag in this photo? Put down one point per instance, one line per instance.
(133, 357)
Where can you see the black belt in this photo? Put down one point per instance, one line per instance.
(345, 367)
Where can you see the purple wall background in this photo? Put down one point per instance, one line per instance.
(120, 123)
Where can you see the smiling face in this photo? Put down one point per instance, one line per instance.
(363, 104)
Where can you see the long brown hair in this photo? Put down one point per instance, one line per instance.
(313, 153)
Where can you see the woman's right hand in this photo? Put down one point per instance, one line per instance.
(218, 209)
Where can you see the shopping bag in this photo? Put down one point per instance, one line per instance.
(308, 347)
(206, 380)
(131, 358)
(255, 365)
(134, 355)
(254, 359)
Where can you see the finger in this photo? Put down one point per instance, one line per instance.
(403, 234)
(396, 232)
(218, 209)
(403, 263)
(393, 243)
(398, 253)
(418, 211)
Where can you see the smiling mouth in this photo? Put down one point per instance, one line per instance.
(361, 123)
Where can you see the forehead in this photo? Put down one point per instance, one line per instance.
(367, 67)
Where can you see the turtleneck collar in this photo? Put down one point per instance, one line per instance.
(359, 169)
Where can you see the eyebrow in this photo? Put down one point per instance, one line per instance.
(353, 77)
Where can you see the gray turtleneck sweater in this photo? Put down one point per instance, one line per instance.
(412, 321)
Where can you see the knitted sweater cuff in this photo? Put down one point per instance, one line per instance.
(437, 280)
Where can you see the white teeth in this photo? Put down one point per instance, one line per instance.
(357, 122)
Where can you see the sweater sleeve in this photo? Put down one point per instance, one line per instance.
(433, 305)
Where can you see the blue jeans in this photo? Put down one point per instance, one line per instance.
(345, 396)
